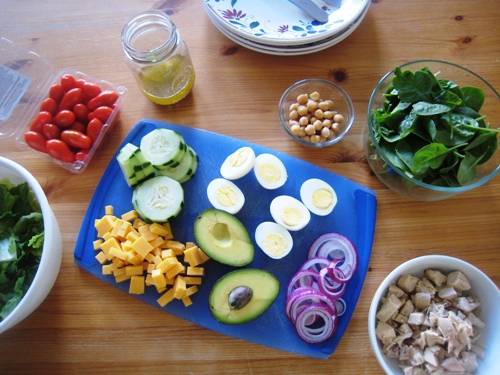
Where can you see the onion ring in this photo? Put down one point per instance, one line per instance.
(335, 246)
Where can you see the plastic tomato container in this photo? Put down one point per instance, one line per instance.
(25, 82)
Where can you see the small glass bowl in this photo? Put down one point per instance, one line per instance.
(328, 91)
(396, 179)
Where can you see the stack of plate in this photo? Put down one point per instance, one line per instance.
(279, 27)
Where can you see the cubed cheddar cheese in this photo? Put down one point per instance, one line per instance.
(195, 271)
(179, 287)
(166, 298)
(104, 225)
(142, 247)
(176, 246)
(137, 285)
(167, 264)
(97, 244)
(101, 257)
(177, 269)
(130, 216)
(108, 210)
(134, 270)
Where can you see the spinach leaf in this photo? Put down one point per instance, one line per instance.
(473, 97)
(428, 109)
(412, 87)
(429, 156)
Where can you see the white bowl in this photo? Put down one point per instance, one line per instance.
(482, 287)
(50, 261)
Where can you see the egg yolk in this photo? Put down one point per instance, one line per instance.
(291, 216)
(274, 244)
(269, 172)
(239, 157)
(227, 196)
(322, 198)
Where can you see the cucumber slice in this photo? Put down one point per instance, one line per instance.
(184, 171)
(134, 165)
(163, 148)
(158, 199)
(192, 170)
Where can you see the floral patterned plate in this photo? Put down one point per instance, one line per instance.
(280, 22)
(291, 50)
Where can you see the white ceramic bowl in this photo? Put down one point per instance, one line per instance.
(482, 287)
(50, 261)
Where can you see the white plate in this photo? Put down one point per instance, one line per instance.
(280, 22)
(291, 50)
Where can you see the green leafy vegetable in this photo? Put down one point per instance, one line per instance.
(431, 129)
(21, 243)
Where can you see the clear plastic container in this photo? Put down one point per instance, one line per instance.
(25, 81)
(158, 57)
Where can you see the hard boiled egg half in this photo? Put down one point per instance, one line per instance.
(225, 195)
(238, 164)
(270, 171)
(289, 212)
(273, 239)
(318, 196)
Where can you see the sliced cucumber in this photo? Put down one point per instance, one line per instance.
(134, 165)
(158, 199)
(163, 148)
(184, 171)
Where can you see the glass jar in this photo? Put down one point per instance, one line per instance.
(158, 57)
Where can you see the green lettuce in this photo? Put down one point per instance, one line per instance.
(21, 243)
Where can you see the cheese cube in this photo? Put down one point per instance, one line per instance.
(134, 270)
(195, 271)
(166, 298)
(129, 216)
(101, 257)
(136, 285)
(175, 270)
(159, 229)
(159, 279)
(97, 244)
(179, 287)
(118, 253)
(186, 300)
(167, 264)
(142, 247)
(146, 233)
(193, 280)
(176, 246)
(109, 210)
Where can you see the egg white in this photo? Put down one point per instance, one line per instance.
(233, 198)
(284, 203)
(238, 164)
(274, 240)
(307, 194)
(270, 171)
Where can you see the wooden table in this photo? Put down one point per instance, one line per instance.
(87, 326)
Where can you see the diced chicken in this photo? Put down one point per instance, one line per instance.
(452, 364)
(433, 338)
(407, 283)
(385, 332)
(405, 353)
(416, 318)
(392, 350)
(407, 308)
(436, 277)
(446, 327)
(417, 357)
(448, 293)
(431, 355)
(475, 320)
(469, 361)
(398, 292)
(458, 280)
(389, 308)
(422, 300)
(425, 286)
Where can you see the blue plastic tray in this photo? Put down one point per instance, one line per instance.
(354, 216)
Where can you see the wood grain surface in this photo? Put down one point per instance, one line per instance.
(86, 326)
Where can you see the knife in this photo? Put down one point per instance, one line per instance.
(312, 10)
(334, 3)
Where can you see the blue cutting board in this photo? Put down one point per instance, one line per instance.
(354, 216)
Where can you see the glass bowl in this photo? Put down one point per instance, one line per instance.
(482, 287)
(340, 104)
(395, 174)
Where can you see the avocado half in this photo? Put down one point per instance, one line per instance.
(242, 295)
(223, 238)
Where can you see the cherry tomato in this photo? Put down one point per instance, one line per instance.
(77, 139)
(42, 118)
(51, 131)
(105, 98)
(102, 113)
(68, 82)
(60, 150)
(36, 141)
(64, 118)
(94, 129)
(80, 126)
(81, 112)
(90, 90)
(71, 98)
(49, 105)
(56, 92)
(82, 154)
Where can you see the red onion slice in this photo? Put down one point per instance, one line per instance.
(324, 326)
(331, 291)
(335, 246)
(301, 279)
(336, 273)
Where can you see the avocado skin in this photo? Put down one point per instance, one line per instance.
(223, 237)
(264, 285)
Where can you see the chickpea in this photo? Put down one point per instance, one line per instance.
(336, 127)
(331, 104)
(312, 106)
(302, 132)
(338, 118)
(325, 132)
(303, 121)
(324, 106)
(302, 99)
(328, 114)
(294, 115)
(315, 138)
(318, 125)
(295, 129)
(310, 129)
(302, 110)
(327, 123)
(319, 114)
(294, 106)
(314, 96)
